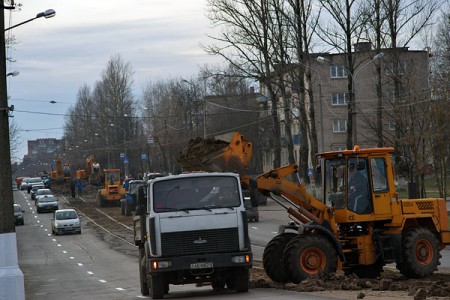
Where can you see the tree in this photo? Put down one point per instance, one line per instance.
(245, 43)
(110, 102)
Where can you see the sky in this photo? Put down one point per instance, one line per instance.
(56, 56)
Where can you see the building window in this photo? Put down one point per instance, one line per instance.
(392, 126)
(337, 72)
(400, 97)
(339, 125)
(401, 69)
(339, 98)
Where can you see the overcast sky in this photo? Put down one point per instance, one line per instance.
(56, 56)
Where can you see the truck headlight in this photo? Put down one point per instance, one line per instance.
(241, 259)
(162, 264)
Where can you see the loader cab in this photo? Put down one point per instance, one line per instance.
(357, 183)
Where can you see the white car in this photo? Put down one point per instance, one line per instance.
(66, 221)
(41, 193)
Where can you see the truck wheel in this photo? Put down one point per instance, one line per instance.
(157, 287)
(218, 285)
(239, 281)
(420, 253)
(308, 255)
(273, 257)
(143, 273)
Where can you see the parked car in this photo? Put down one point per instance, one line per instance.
(34, 189)
(18, 214)
(66, 221)
(47, 203)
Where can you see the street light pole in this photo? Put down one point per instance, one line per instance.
(11, 277)
(125, 148)
(49, 13)
(351, 140)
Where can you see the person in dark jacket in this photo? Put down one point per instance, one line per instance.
(72, 188)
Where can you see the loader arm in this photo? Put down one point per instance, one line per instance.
(308, 207)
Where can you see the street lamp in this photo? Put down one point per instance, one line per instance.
(11, 277)
(125, 148)
(13, 74)
(49, 13)
(352, 103)
(204, 107)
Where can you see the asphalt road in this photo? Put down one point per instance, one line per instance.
(84, 267)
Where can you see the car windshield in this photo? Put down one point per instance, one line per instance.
(34, 180)
(43, 192)
(37, 187)
(17, 208)
(195, 193)
(66, 215)
(47, 199)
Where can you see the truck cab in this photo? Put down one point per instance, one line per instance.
(195, 231)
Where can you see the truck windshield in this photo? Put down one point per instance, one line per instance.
(195, 193)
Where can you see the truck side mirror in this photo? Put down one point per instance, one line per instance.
(141, 200)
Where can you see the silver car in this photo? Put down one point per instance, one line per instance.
(47, 203)
(66, 221)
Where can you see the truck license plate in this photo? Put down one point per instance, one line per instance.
(202, 265)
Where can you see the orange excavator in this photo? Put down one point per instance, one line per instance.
(354, 225)
(91, 171)
(62, 172)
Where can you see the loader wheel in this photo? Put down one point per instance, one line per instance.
(308, 255)
(143, 273)
(273, 257)
(101, 201)
(420, 253)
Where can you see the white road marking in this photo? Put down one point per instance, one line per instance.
(255, 227)
(54, 240)
(72, 257)
(45, 229)
(102, 280)
(80, 264)
(274, 232)
(35, 217)
(39, 222)
(41, 225)
(49, 234)
(90, 273)
(59, 245)
(64, 251)
(120, 289)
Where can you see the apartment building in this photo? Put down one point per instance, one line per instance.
(376, 98)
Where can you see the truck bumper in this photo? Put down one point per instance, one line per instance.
(200, 264)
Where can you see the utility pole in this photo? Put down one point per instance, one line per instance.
(11, 277)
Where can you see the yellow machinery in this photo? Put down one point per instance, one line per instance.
(91, 172)
(62, 172)
(112, 192)
(352, 225)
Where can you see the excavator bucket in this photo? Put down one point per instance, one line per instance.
(217, 155)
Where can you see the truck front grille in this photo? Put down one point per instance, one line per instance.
(200, 241)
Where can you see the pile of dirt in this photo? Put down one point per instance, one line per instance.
(390, 281)
(199, 148)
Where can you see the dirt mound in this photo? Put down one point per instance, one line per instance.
(199, 148)
(390, 282)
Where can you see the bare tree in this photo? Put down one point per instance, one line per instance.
(245, 42)
(88, 122)
(348, 20)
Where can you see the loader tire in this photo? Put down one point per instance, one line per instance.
(273, 257)
(308, 255)
(420, 253)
